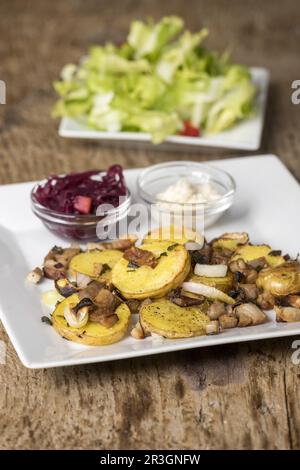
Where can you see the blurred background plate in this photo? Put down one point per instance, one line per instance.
(244, 136)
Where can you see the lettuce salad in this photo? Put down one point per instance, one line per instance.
(161, 81)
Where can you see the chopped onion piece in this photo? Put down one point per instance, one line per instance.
(76, 320)
(207, 291)
(194, 246)
(211, 270)
(82, 280)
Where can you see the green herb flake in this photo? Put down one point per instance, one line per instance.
(105, 268)
(47, 320)
(164, 253)
(132, 265)
(172, 247)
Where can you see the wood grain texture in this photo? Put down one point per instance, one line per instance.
(242, 396)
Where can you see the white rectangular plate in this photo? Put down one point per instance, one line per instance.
(245, 135)
(266, 206)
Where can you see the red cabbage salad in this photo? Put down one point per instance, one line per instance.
(82, 193)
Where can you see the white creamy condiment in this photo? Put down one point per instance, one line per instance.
(185, 192)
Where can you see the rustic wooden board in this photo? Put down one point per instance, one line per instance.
(242, 396)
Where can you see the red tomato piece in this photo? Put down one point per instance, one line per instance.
(189, 130)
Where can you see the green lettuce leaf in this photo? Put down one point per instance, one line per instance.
(148, 39)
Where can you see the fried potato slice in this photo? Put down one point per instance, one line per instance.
(172, 268)
(92, 334)
(231, 241)
(174, 234)
(252, 252)
(88, 262)
(167, 319)
(222, 283)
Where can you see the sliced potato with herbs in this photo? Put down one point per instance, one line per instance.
(231, 241)
(88, 263)
(139, 283)
(92, 334)
(252, 252)
(167, 319)
(175, 234)
(222, 283)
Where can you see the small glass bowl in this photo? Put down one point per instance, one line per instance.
(158, 178)
(81, 227)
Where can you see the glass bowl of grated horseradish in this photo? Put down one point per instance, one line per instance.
(186, 193)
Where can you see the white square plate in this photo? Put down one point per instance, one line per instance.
(245, 135)
(266, 205)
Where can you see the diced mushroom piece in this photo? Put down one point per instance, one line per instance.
(133, 305)
(249, 314)
(258, 263)
(91, 290)
(106, 300)
(293, 300)
(216, 309)
(250, 291)
(109, 321)
(97, 314)
(238, 265)
(266, 301)
(177, 298)
(203, 255)
(67, 254)
(251, 276)
(220, 255)
(65, 287)
(54, 270)
(227, 321)
(212, 328)
(229, 310)
(35, 276)
(140, 257)
(287, 314)
(105, 304)
(138, 332)
(51, 255)
(62, 256)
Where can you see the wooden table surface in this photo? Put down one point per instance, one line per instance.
(243, 396)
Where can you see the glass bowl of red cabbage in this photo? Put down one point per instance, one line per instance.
(67, 204)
